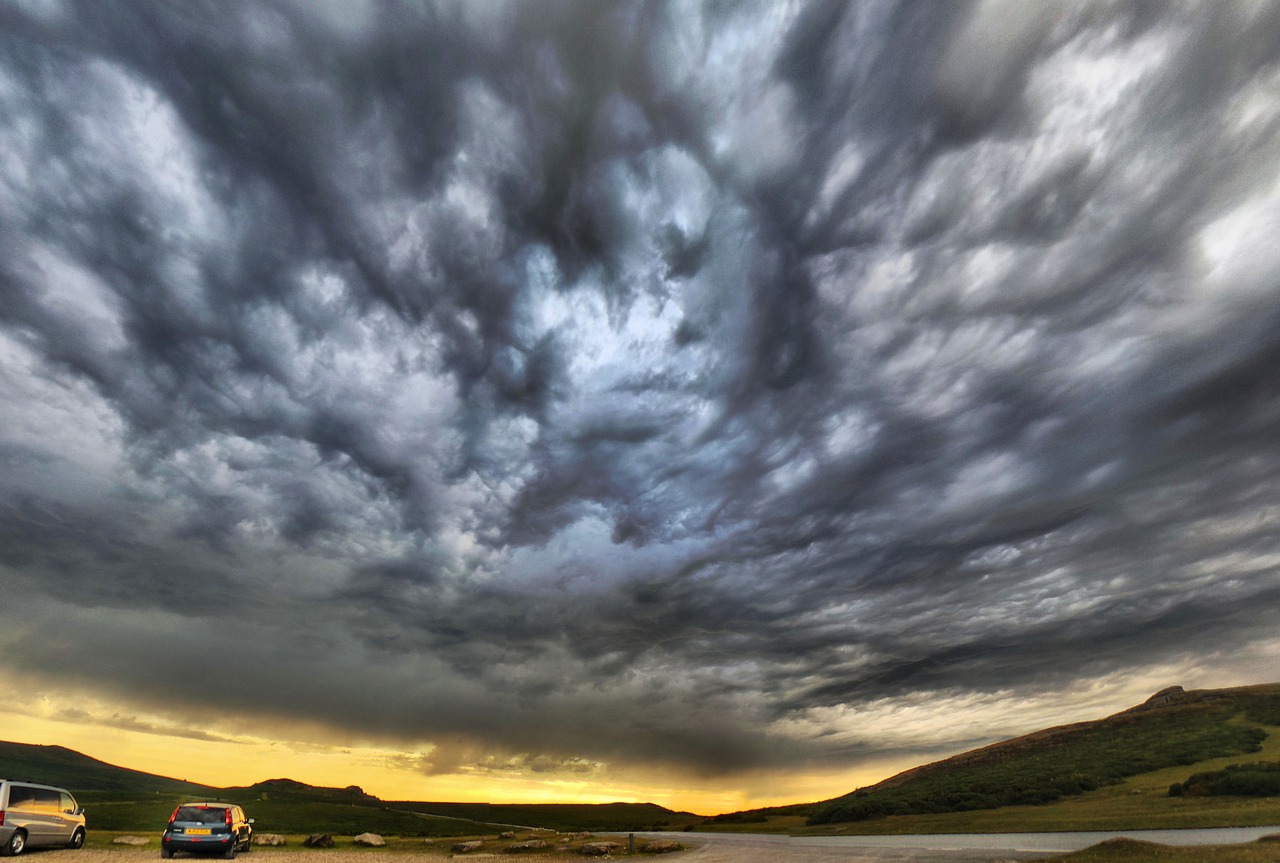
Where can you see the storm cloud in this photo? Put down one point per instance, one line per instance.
(578, 383)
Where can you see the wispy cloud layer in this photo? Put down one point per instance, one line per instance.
(591, 383)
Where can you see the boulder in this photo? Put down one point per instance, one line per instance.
(507, 834)
(661, 846)
(467, 847)
(599, 849)
(273, 839)
(370, 840)
(525, 847)
(318, 840)
(130, 840)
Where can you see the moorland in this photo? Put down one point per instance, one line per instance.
(1203, 758)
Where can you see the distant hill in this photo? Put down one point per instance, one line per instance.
(562, 816)
(292, 791)
(57, 765)
(1172, 728)
(122, 799)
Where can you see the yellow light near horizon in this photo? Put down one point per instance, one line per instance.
(384, 773)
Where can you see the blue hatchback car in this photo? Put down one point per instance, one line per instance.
(207, 828)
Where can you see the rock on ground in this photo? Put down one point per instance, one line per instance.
(599, 849)
(525, 846)
(129, 840)
(661, 846)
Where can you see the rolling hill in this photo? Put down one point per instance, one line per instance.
(57, 765)
(1168, 762)
(1173, 728)
(122, 799)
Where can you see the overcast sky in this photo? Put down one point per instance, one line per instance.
(733, 389)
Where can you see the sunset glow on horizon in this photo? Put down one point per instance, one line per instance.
(711, 404)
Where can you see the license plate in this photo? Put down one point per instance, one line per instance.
(198, 831)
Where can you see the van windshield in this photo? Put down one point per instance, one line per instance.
(201, 815)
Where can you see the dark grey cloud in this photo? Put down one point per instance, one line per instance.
(134, 724)
(579, 383)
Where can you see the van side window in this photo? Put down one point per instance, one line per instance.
(66, 802)
(46, 800)
(22, 797)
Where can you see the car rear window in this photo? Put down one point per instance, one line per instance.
(202, 814)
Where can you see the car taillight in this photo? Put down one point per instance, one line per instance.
(228, 817)
(1, 817)
(174, 816)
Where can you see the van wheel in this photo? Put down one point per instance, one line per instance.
(16, 845)
(77, 839)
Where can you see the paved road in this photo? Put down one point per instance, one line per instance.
(713, 853)
(739, 848)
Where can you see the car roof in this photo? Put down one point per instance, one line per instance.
(207, 804)
(32, 784)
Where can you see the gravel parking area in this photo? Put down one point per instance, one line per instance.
(711, 852)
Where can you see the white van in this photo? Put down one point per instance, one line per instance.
(32, 815)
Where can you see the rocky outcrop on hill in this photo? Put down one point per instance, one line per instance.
(1168, 695)
(467, 847)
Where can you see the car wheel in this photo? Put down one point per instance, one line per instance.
(77, 839)
(166, 853)
(16, 845)
(230, 853)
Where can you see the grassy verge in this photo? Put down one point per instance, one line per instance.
(493, 843)
(1129, 851)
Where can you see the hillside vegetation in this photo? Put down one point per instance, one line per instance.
(599, 817)
(129, 800)
(1176, 729)
(1183, 759)
(57, 765)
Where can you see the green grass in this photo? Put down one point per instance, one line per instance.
(1130, 851)
(1073, 761)
(494, 843)
(1035, 779)
(561, 816)
(270, 816)
(411, 819)
(118, 799)
(1137, 802)
(1260, 779)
